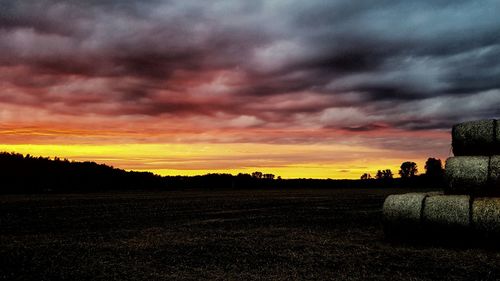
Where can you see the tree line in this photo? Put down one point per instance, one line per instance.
(433, 170)
(28, 174)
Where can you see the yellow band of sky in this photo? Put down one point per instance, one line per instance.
(287, 161)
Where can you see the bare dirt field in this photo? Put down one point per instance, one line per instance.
(302, 234)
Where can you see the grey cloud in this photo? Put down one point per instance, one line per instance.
(397, 58)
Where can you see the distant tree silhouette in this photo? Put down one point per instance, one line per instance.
(28, 174)
(434, 168)
(257, 175)
(244, 176)
(365, 176)
(32, 174)
(384, 174)
(268, 176)
(408, 170)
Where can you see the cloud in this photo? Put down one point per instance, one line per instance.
(355, 66)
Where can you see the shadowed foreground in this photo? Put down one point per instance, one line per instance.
(224, 235)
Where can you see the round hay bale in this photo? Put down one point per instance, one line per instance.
(475, 138)
(466, 174)
(403, 213)
(486, 215)
(403, 207)
(447, 211)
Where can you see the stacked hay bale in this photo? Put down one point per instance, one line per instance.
(470, 203)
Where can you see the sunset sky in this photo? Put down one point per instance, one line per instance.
(315, 89)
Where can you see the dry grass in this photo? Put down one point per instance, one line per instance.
(219, 235)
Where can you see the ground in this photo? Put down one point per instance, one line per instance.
(315, 234)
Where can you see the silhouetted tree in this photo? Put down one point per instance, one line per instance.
(408, 170)
(434, 168)
(257, 175)
(268, 176)
(365, 176)
(244, 175)
(384, 174)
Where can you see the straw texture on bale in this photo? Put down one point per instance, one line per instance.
(495, 172)
(480, 137)
(486, 215)
(432, 215)
(402, 214)
(447, 211)
(477, 175)
(403, 208)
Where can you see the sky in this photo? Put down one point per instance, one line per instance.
(309, 89)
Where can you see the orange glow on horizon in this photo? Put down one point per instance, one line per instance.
(288, 161)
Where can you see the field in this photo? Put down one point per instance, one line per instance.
(220, 235)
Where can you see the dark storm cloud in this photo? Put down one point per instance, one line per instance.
(383, 63)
